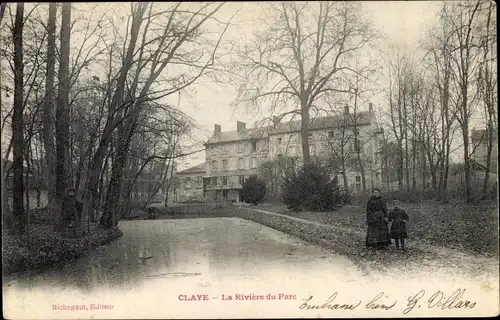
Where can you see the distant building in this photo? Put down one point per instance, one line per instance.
(38, 193)
(232, 156)
(151, 178)
(191, 183)
(479, 146)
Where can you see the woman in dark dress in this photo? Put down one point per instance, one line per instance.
(378, 235)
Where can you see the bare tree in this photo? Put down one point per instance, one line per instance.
(397, 102)
(62, 115)
(464, 20)
(302, 54)
(18, 125)
(439, 50)
(487, 81)
(138, 82)
(48, 107)
(341, 154)
(33, 42)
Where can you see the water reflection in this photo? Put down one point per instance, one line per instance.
(143, 274)
(202, 251)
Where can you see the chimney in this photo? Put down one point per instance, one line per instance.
(370, 107)
(346, 109)
(217, 130)
(240, 126)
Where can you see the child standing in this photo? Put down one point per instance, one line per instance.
(398, 217)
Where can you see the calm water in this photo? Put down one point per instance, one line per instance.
(218, 249)
(157, 263)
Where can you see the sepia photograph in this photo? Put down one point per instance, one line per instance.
(233, 160)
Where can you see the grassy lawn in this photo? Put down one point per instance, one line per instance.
(456, 225)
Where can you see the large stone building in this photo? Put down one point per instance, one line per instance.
(232, 156)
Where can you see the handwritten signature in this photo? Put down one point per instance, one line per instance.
(440, 300)
(381, 301)
(331, 304)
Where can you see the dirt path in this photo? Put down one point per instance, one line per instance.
(420, 256)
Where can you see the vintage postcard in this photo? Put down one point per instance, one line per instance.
(323, 159)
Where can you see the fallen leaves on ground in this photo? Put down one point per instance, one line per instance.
(47, 247)
(456, 225)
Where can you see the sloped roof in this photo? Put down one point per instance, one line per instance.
(201, 168)
(363, 118)
(246, 134)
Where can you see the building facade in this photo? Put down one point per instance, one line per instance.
(233, 156)
(190, 183)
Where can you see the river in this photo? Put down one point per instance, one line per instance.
(162, 268)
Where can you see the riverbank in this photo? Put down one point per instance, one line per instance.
(45, 247)
(455, 225)
(343, 239)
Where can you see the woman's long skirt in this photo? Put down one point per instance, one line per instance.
(378, 231)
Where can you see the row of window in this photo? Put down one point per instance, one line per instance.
(331, 134)
(279, 141)
(254, 163)
(214, 181)
(188, 182)
(241, 146)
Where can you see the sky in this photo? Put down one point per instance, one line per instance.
(403, 23)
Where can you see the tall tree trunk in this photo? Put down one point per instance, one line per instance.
(170, 168)
(90, 205)
(111, 207)
(385, 163)
(48, 110)
(467, 171)
(489, 100)
(414, 165)
(489, 153)
(357, 144)
(304, 133)
(28, 189)
(446, 171)
(108, 219)
(405, 130)
(18, 125)
(344, 178)
(162, 181)
(100, 194)
(3, 5)
(407, 167)
(80, 169)
(62, 114)
(423, 165)
(433, 168)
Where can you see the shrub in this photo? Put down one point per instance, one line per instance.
(254, 190)
(311, 188)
